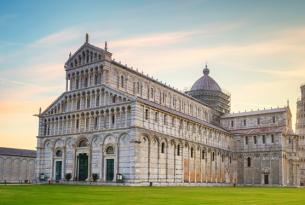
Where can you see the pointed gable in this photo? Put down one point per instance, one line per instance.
(87, 54)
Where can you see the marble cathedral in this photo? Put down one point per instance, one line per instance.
(114, 124)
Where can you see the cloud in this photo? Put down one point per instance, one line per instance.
(166, 38)
(69, 34)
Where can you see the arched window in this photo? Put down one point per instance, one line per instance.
(178, 150)
(113, 99)
(58, 153)
(249, 162)
(192, 152)
(162, 147)
(83, 143)
(203, 154)
(110, 150)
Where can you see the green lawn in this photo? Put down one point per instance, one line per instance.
(79, 195)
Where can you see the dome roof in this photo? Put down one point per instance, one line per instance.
(206, 82)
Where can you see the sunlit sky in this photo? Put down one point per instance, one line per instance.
(254, 49)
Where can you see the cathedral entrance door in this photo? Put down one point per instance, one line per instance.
(109, 169)
(82, 167)
(58, 170)
(266, 179)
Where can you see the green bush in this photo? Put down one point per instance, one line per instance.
(68, 176)
(95, 177)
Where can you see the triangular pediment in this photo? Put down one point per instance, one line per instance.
(57, 104)
(87, 54)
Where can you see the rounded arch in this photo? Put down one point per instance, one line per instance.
(69, 142)
(48, 144)
(83, 142)
(110, 139)
(96, 140)
(155, 140)
(123, 139)
(59, 143)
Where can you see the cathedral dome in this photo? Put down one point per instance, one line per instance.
(206, 82)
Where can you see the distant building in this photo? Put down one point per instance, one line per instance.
(265, 146)
(300, 130)
(300, 121)
(17, 165)
(114, 123)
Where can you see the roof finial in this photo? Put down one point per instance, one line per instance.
(106, 46)
(87, 38)
(206, 71)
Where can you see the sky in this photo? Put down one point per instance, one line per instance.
(254, 49)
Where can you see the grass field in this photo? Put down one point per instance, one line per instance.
(81, 195)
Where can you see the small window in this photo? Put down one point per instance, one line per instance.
(156, 117)
(95, 79)
(122, 81)
(178, 150)
(192, 152)
(95, 122)
(165, 119)
(152, 93)
(254, 140)
(58, 153)
(246, 139)
(88, 102)
(146, 114)
(97, 101)
(112, 119)
(245, 123)
(264, 139)
(138, 87)
(87, 123)
(86, 82)
(249, 162)
(77, 83)
(78, 104)
(230, 159)
(272, 138)
(110, 150)
(77, 123)
(163, 147)
(258, 121)
(113, 99)
(203, 154)
(232, 123)
(273, 119)
(213, 156)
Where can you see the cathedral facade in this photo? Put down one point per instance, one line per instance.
(115, 124)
